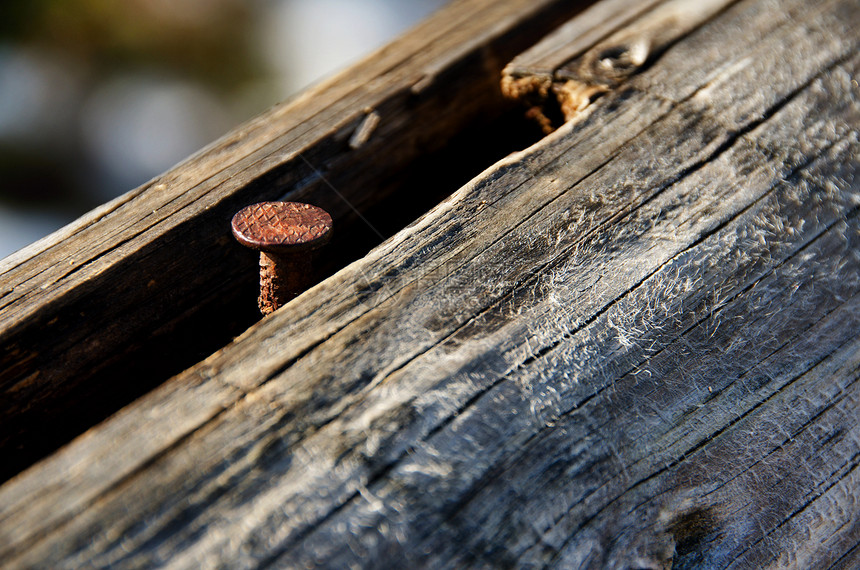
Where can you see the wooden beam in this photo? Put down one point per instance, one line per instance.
(633, 343)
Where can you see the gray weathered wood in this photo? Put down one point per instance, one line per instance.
(611, 61)
(631, 345)
(109, 307)
(598, 51)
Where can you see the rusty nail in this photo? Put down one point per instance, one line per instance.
(285, 234)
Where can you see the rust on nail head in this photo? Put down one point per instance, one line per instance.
(282, 227)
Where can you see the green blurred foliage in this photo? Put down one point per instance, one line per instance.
(209, 41)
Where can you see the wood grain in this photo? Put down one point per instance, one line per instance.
(612, 41)
(632, 345)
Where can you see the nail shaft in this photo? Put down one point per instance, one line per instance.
(282, 279)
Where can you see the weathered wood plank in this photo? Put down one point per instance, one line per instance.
(604, 351)
(609, 44)
(613, 60)
(178, 285)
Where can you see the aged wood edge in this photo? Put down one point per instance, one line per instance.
(93, 216)
(293, 147)
(529, 77)
(566, 72)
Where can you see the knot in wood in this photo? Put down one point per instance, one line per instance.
(282, 227)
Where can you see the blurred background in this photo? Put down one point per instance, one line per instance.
(99, 96)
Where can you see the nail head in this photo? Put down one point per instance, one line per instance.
(282, 227)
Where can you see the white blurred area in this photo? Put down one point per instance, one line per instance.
(113, 132)
(139, 125)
